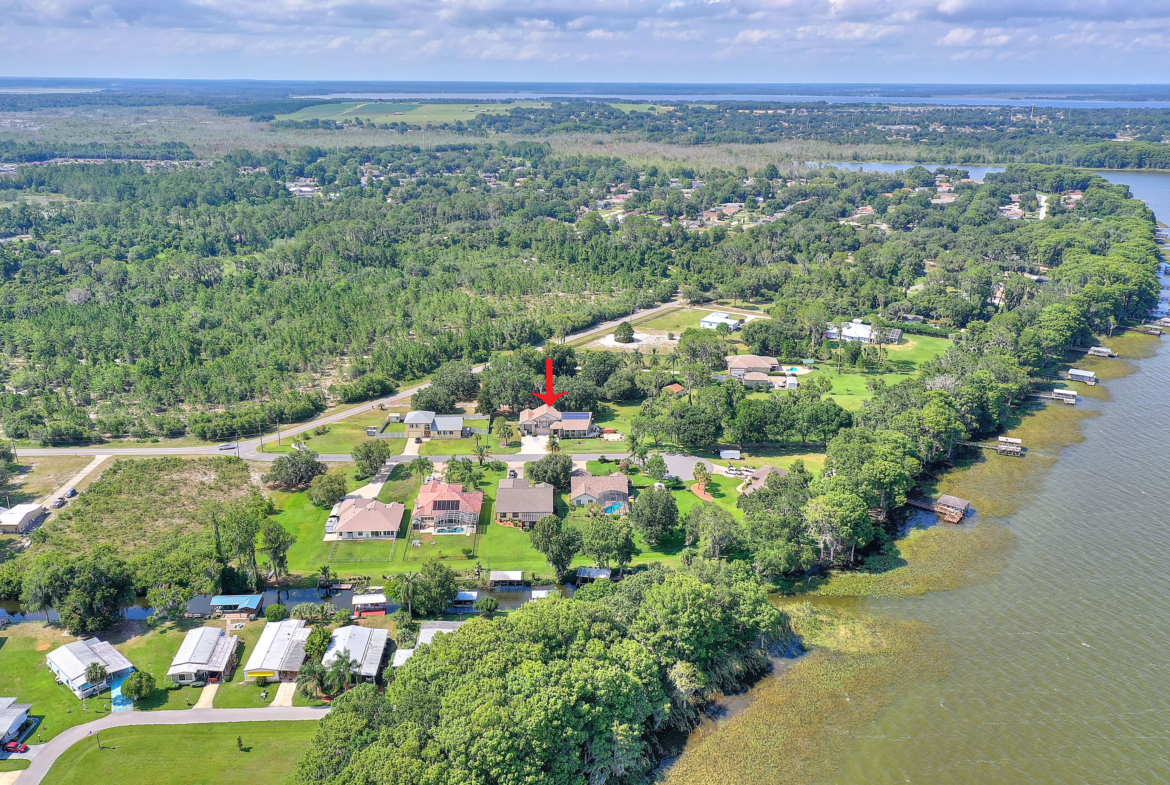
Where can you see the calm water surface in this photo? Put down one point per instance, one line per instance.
(1062, 663)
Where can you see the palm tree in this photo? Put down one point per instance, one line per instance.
(554, 444)
(481, 452)
(311, 679)
(340, 675)
(95, 673)
(505, 433)
(326, 573)
(408, 584)
(701, 475)
(673, 359)
(421, 467)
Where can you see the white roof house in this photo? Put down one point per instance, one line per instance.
(419, 418)
(70, 661)
(363, 644)
(426, 633)
(713, 320)
(205, 652)
(19, 518)
(12, 718)
(280, 652)
(860, 332)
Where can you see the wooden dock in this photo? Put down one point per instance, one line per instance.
(950, 508)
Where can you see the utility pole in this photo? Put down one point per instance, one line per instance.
(278, 431)
(237, 444)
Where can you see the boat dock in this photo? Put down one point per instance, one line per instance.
(951, 509)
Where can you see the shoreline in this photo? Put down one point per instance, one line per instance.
(796, 729)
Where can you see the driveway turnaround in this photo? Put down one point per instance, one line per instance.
(49, 752)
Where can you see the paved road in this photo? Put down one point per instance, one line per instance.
(52, 750)
(249, 448)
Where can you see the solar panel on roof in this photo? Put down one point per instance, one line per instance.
(575, 416)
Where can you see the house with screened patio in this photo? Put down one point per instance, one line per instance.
(445, 508)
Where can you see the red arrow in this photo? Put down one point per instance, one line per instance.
(549, 397)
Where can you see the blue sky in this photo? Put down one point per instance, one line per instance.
(1001, 41)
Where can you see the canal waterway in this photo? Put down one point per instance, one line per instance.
(1061, 669)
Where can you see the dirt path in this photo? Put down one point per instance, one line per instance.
(81, 475)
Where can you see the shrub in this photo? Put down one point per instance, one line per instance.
(139, 685)
(276, 612)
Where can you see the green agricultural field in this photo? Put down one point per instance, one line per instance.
(188, 754)
(411, 112)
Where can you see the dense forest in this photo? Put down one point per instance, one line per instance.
(207, 299)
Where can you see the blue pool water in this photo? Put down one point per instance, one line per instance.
(613, 509)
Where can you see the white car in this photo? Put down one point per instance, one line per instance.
(228, 446)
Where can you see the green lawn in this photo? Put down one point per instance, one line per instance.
(849, 386)
(152, 651)
(466, 446)
(234, 693)
(675, 321)
(340, 437)
(187, 754)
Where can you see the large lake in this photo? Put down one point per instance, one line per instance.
(1062, 662)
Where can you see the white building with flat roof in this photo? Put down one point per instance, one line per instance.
(280, 652)
(366, 646)
(713, 320)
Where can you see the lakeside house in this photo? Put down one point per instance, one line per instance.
(428, 425)
(365, 645)
(445, 508)
(612, 492)
(759, 478)
(521, 504)
(13, 716)
(857, 331)
(70, 662)
(426, 633)
(237, 607)
(280, 652)
(207, 654)
(545, 419)
(739, 365)
(364, 519)
(713, 320)
(505, 580)
(18, 519)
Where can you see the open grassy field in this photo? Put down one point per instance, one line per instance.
(187, 754)
(121, 507)
(412, 112)
(36, 478)
(850, 386)
(339, 437)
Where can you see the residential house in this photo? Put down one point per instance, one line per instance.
(521, 504)
(428, 425)
(756, 379)
(505, 580)
(280, 652)
(675, 388)
(860, 332)
(612, 492)
(364, 519)
(713, 320)
(13, 716)
(759, 478)
(426, 633)
(366, 646)
(545, 419)
(741, 364)
(19, 518)
(206, 654)
(372, 604)
(445, 508)
(70, 662)
(241, 607)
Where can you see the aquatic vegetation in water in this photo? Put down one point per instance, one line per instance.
(801, 723)
(934, 559)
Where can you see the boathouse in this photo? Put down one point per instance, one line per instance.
(465, 600)
(1066, 396)
(1077, 375)
(369, 604)
(1009, 446)
(505, 580)
(1100, 351)
(590, 574)
(951, 508)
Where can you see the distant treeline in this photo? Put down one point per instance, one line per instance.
(27, 152)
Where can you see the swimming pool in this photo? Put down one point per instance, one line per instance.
(452, 530)
(614, 508)
(118, 701)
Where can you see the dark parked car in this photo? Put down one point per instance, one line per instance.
(58, 503)
(15, 746)
(417, 440)
(511, 474)
(69, 494)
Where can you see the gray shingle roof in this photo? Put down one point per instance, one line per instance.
(519, 495)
